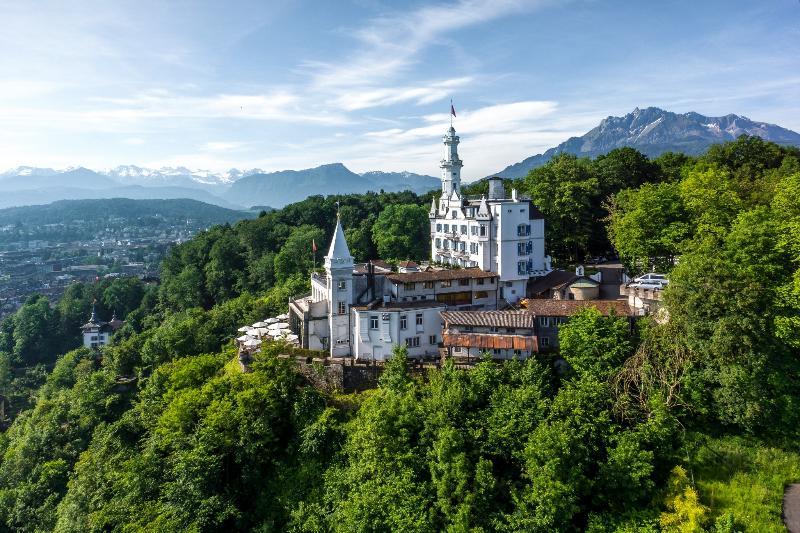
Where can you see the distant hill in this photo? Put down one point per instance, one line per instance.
(234, 189)
(280, 188)
(654, 131)
(10, 197)
(28, 178)
(68, 211)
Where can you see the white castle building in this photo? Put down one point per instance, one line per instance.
(363, 311)
(496, 234)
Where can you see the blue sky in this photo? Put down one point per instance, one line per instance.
(294, 84)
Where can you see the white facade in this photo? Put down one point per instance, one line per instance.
(95, 338)
(378, 330)
(497, 234)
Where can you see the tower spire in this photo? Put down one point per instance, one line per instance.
(451, 164)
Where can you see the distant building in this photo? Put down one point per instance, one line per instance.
(564, 285)
(97, 333)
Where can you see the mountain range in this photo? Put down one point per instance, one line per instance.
(235, 189)
(654, 131)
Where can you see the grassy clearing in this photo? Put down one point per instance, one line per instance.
(745, 478)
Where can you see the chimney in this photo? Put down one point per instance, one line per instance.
(496, 189)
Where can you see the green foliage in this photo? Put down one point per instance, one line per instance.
(594, 345)
(402, 232)
(296, 255)
(741, 480)
(648, 226)
(186, 441)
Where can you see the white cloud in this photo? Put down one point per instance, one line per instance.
(375, 97)
(222, 146)
(391, 42)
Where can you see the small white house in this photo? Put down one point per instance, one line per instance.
(97, 333)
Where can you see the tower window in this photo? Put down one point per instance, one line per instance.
(342, 285)
(483, 231)
(373, 322)
(403, 322)
(342, 308)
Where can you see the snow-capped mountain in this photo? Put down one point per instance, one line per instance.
(654, 131)
(181, 176)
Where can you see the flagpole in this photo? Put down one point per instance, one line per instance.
(451, 112)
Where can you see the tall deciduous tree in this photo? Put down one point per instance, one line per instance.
(402, 232)
(648, 225)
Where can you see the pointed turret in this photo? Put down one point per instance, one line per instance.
(338, 253)
(432, 212)
(483, 209)
(339, 292)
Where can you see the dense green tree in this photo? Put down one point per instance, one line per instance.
(296, 255)
(648, 225)
(567, 193)
(402, 232)
(595, 345)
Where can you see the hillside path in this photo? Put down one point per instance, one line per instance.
(791, 508)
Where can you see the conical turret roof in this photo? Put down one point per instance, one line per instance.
(339, 252)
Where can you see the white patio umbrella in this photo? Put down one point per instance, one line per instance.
(252, 332)
(252, 343)
(279, 325)
(262, 332)
(243, 329)
(284, 316)
(260, 325)
(271, 320)
(292, 338)
(274, 326)
(243, 338)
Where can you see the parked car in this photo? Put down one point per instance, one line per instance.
(650, 281)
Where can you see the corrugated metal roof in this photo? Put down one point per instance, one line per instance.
(488, 341)
(500, 319)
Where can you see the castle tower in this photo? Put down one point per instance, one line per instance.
(339, 272)
(451, 164)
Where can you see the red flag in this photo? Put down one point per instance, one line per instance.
(313, 246)
(452, 109)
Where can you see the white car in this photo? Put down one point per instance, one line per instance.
(651, 280)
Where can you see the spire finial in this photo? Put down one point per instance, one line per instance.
(338, 208)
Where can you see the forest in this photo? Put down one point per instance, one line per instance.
(688, 425)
